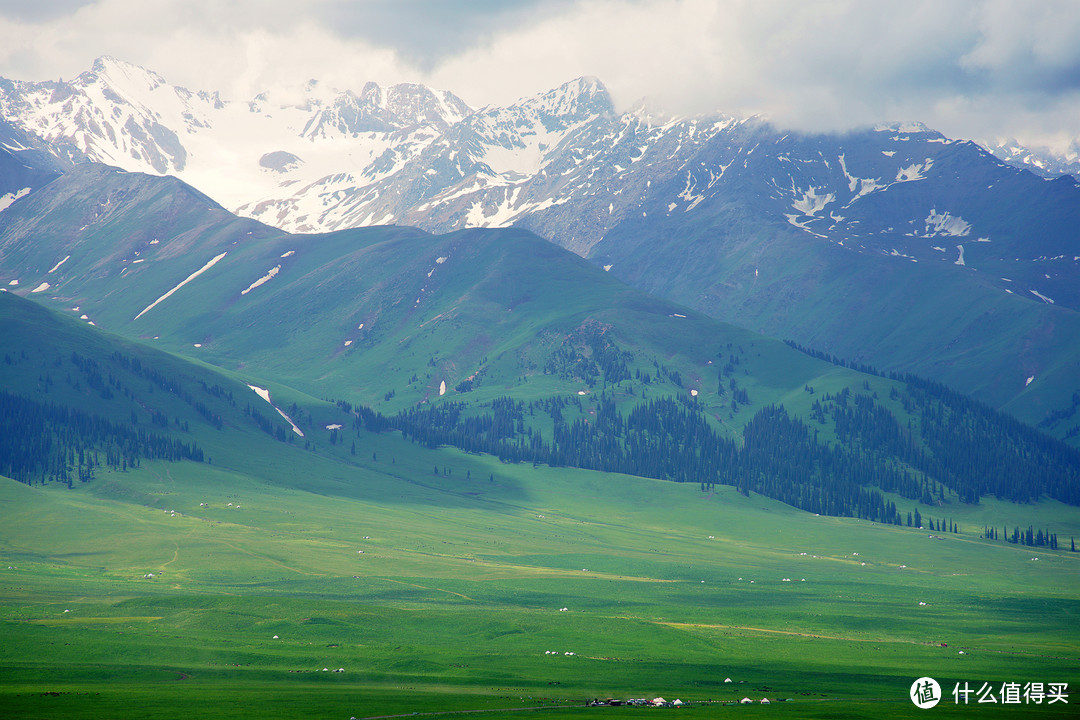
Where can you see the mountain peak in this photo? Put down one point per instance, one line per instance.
(121, 72)
(572, 101)
(909, 126)
(1041, 160)
(384, 109)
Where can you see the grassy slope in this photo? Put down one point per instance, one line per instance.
(501, 301)
(41, 344)
(938, 321)
(128, 239)
(457, 594)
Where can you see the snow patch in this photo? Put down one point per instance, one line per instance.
(442, 388)
(13, 283)
(1029, 381)
(914, 172)
(288, 254)
(265, 395)
(264, 279)
(843, 166)
(1036, 293)
(7, 200)
(475, 216)
(688, 194)
(188, 279)
(888, 153)
(57, 265)
(960, 260)
(261, 392)
(793, 219)
(41, 288)
(811, 203)
(945, 224)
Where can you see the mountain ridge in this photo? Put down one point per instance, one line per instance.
(631, 190)
(497, 341)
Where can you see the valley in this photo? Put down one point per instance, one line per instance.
(237, 579)
(408, 408)
(250, 604)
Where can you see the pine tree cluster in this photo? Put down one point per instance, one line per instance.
(45, 442)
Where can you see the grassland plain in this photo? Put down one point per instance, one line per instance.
(210, 591)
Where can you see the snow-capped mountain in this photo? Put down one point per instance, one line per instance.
(895, 246)
(318, 159)
(563, 163)
(24, 165)
(123, 115)
(1039, 160)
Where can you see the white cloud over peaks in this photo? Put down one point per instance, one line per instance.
(970, 68)
(1016, 38)
(240, 47)
(967, 68)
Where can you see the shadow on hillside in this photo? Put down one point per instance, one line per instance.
(457, 484)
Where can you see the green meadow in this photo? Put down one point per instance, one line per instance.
(187, 590)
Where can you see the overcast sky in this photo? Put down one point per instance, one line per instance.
(969, 68)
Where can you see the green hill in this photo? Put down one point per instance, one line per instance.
(496, 341)
(938, 320)
(226, 586)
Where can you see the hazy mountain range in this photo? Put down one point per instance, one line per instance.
(894, 246)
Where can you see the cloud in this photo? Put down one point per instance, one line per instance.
(425, 32)
(240, 48)
(39, 11)
(968, 68)
(957, 65)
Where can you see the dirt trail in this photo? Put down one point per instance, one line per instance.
(424, 587)
(270, 560)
